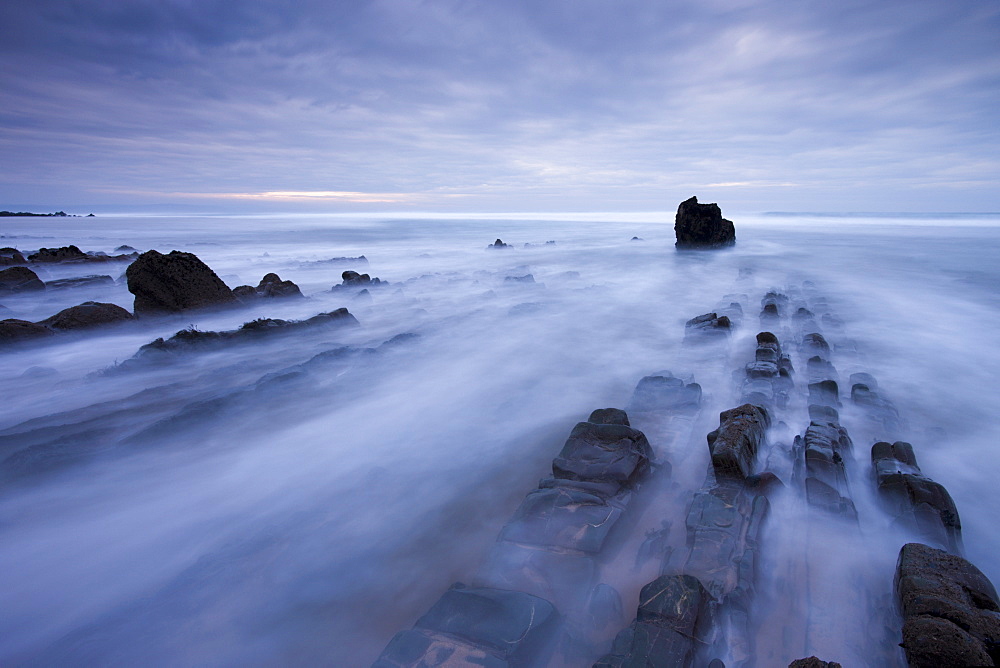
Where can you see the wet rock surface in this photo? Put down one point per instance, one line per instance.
(80, 282)
(735, 443)
(13, 330)
(174, 282)
(951, 615)
(270, 286)
(19, 279)
(86, 316)
(914, 499)
(813, 662)
(701, 226)
(352, 279)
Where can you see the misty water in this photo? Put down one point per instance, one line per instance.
(220, 510)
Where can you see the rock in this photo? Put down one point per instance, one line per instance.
(125, 249)
(527, 278)
(80, 282)
(478, 626)
(87, 315)
(20, 279)
(636, 239)
(813, 662)
(270, 286)
(950, 609)
(611, 453)
(702, 226)
(14, 331)
(665, 392)
(915, 500)
(174, 282)
(498, 244)
(707, 327)
(735, 443)
(673, 620)
(63, 254)
(11, 256)
(353, 279)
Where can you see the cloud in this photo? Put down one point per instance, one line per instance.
(630, 102)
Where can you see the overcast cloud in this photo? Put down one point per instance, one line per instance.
(492, 106)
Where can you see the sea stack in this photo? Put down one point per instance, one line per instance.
(700, 226)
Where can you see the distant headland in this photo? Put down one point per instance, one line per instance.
(62, 214)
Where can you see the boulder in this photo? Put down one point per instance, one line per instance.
(14, 331)
(664, 392)
(11, 256)
(734, 444)
(353, 279)
(174, 282)
(707, 326)
(87, 315)
(19, 279)
(702, 226)
(951, 613)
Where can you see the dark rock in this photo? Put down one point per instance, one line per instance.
(80, 282)
(709, 325)
(825, 393)
(950, 609)
(735, 443)
(673, 621)
(603, 453)
(11, 256)
(636, 239)
(564, 517)
(87, 315)
(813, 662)
(64, 254)
(174, 282)
(478, 626)
(270, 286)
(766, 483)
(915, 500)
(19, 279)
(353, 279)
(527, 278)
(14, 331)
(702, 226)
(609, 416)
(361, 259)
(125, 249)
(498, 244)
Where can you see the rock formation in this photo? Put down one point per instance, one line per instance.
(174, 282)
(80, 282)
(951, 613)
(702, 226)
(19, 279)
(86, 316)
(13, 330)
(270, 286)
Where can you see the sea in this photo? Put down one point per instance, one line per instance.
(219, 509)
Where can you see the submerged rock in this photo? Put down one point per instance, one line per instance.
(87, 315)
(673, 621)
(498, 244)
(80, 282)
(270, 286)
(13, 330)
(951, 613)
(64, 254)
(813, 662)
(702, 226)
(478, 626)
(709, 326)
(174, 282)
(20, 279)
(353, 279)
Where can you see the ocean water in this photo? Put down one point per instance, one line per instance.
(194, 514)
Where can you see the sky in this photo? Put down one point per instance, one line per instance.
(513, 105)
